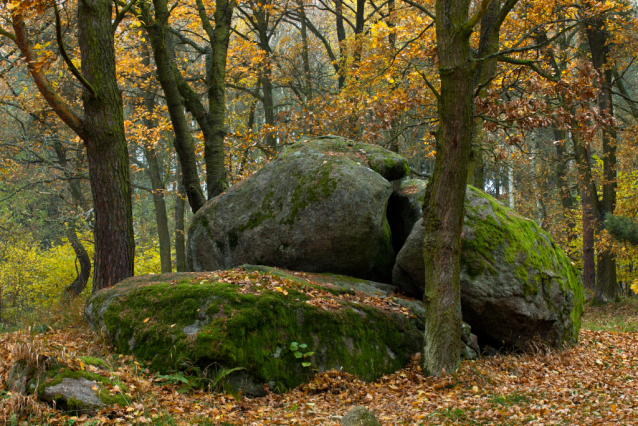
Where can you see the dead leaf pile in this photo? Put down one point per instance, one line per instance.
(593, 383)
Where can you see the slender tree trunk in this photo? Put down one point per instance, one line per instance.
(590, 206)
(510, 181)
(154, 173)
(106, 147)
(180, 235)
(184, 145)
(304, 50)
(606, 279)
(75, 288)
(80, 282)
(269, 107)
(485, 72)
(341, 38)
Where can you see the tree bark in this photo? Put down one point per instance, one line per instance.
(444, 208)
(304, 50)
(107, 151)
(75, 288)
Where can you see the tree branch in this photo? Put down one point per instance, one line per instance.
(69, 63)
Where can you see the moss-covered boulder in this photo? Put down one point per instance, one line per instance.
(320, 206)
(517, 286)
(280, 327)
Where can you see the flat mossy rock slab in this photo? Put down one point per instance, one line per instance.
(320, 207)
(249, 319)
(517, 286)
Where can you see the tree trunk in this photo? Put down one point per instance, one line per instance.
(80, 282)
(106, 147)
(180, 235)
(444, 208)
(102, 130)
(341, 38)
(154, 174)
(75, 288)
(606, 280)
(590, 205)
(184, 144)
(304, 51)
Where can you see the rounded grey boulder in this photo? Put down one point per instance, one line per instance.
(318, 207)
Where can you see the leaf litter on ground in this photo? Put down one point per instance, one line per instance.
(593, 383)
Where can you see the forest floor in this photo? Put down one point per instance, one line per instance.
(595, 382)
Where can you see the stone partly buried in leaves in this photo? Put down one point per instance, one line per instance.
(359, 416)
(251, 322)
(318, 207)
(66, 387)
(517, 286)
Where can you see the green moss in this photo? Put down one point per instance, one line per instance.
(525, 245)
(97, 362)
(55, 374)
(247, 330)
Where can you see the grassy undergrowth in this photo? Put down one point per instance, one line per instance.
(595, 382)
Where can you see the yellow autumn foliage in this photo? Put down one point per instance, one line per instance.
(32, 279)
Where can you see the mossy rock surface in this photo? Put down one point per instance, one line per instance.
(249, 318)
(517, 286)
(69, 388)
(319, 207)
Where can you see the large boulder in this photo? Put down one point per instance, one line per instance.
(517, 286)
(278, 328)
(320, 207)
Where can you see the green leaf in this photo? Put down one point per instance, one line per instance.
(298, 354)
(308, 354)
(294, 346)
(303, 346)
(306, 364)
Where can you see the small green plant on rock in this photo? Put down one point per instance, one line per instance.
(296, 349)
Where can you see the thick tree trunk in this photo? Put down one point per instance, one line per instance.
(102, 130)
(180, 235)
(106, 147)
(184, 145)
(444, 208)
